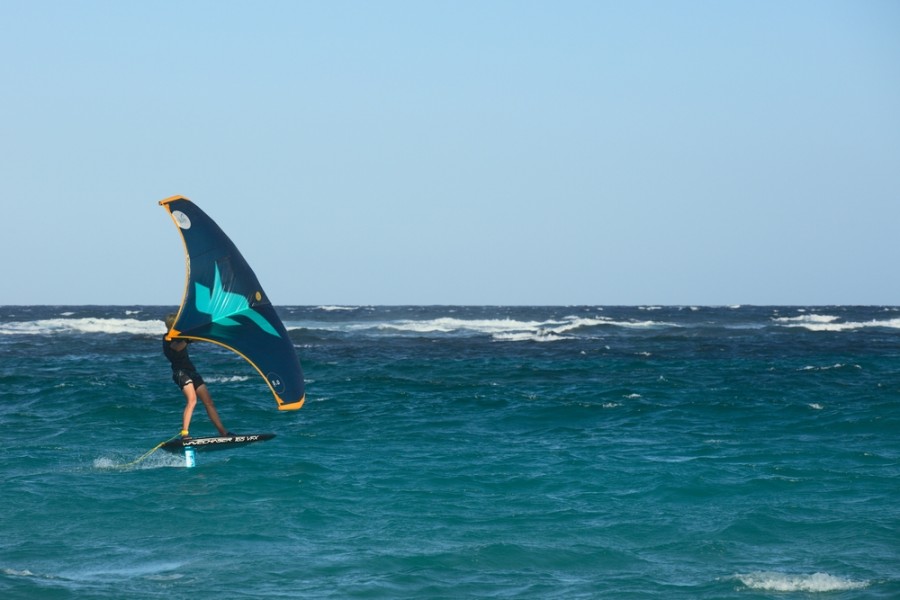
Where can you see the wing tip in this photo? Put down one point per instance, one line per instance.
(293, 405)
(165, 201)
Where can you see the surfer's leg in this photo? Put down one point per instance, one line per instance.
(190, 396)
(203, 392)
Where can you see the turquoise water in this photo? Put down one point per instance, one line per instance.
(462, 452)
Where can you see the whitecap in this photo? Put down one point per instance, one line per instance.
(572, 322)
(642, 324)
(84, 325)
(828, 368)
(806, 319)
(829, 323)
(231, 379)
(500, 329)
(784, 582)
(527, 337)
(18, 572)
(505, 329)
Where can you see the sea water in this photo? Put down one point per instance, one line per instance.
(461, 452)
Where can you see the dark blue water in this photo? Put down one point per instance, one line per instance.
(461, 452)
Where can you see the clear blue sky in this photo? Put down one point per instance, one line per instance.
(447, 152)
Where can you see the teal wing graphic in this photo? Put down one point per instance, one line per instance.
(224, 303)
(221, 305)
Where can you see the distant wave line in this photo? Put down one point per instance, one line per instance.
(500, 329)
(83, 325)
(830, 323)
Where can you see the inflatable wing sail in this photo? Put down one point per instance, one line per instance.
(224, 303)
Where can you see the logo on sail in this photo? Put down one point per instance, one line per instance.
(221, 305)
(181, 219)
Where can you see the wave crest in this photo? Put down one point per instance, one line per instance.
(832, 323)
(83, 325)
(501, 329)
(783, 582)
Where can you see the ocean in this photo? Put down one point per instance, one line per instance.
(461, 452)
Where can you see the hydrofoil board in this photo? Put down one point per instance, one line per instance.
(217, 442)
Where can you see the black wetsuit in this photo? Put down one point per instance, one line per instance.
(183, 370)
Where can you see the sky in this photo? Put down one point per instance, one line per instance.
(456, 152)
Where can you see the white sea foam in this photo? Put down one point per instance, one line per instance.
(527, 337)
(104, 463)
(513, 330)
(641, 324)
(29, 573)
(451, 324)
(333, 308)
(154, 461)
(500, 329)
(85, 325)
(783, 582)
(807, 319)
(572, 323)
(231, 379)
(825, 323)
(829, 367)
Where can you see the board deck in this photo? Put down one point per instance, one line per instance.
(218, 442)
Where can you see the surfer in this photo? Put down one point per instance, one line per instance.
(186, 377)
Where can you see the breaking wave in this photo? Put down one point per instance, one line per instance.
(504, 330)
(833, 323)
(783, 582)
(83, 325)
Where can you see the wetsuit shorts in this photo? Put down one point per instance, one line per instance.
(182, 378)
